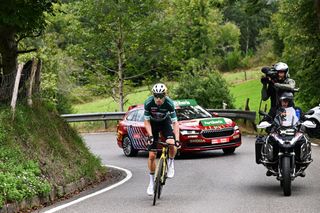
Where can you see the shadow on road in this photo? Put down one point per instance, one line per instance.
(195, 155)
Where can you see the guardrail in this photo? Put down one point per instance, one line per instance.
(104, 116)
(99, 116)
(234, 113)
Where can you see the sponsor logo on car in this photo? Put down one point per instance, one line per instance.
(185, 102)
(213, 122)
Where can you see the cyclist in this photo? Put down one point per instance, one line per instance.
(160, 116)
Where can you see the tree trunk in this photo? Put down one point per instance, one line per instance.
(121, 59)
(248, 37)
(8, 50)
(120, 76)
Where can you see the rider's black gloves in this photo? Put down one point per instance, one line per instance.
(265, 80)
(150, 142)
(177, 143)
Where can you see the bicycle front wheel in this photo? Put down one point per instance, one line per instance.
(157, 182)
(163, 175)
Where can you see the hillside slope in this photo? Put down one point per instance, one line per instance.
(40, 154)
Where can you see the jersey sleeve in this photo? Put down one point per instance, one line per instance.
(172, 111)
(147, 110)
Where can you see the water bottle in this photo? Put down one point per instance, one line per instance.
(298, 113)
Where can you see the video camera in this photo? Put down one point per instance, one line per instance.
(270, 72)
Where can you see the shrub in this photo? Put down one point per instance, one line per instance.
(232, 60)
(210, 90)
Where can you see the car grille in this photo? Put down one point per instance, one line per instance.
(211, 146)
(213, 133)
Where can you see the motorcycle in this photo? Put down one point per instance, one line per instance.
(286, 150)
(314, 116)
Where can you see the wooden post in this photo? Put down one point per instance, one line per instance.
(31, 81)
(37, 77)
(16, 88)
(246, 108)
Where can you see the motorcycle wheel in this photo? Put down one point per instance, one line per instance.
(286, 176)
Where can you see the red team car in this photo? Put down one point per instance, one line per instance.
(199, 130)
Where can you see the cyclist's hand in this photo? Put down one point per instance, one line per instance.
(150, 142)
(177, 144)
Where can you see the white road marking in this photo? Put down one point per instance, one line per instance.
(129, 175)
(314, 144)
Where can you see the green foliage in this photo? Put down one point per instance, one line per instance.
(20, 180)
(309, 85)
(26, 17)
(199, 36)
(20, 177)
(251, 16)
(265, 54)
(210, 90)
(297, 23)
(232, 60)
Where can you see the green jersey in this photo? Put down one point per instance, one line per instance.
(159, 113)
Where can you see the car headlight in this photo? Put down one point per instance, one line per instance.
(189, 132)
(236, 128)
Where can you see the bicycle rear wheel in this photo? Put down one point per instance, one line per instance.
(157, 183)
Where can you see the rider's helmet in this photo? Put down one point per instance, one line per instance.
(282, 67)
(287, 96)
(159, 89)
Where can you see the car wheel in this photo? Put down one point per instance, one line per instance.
(228, 151)
(127, 147)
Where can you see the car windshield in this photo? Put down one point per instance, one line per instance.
(191, 112)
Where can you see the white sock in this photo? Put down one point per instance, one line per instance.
(171, 161)
(151, 177)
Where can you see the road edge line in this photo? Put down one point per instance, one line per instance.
(128, 177)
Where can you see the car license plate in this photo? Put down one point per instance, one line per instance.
(220, 140)
(196, 141)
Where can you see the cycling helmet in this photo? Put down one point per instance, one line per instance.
(280, 66)
(288, 96)
(159, 89)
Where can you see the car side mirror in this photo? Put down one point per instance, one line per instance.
(309, 124)
(263, 125)
(215, 114)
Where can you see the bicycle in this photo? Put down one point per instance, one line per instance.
(161, 171)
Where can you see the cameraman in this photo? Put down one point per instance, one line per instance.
(275, 83)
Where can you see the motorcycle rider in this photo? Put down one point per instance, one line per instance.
(275, 85)
(289, 116)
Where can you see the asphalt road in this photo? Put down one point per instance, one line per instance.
(204, 182)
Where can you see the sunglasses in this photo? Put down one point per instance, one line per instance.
(159, 96)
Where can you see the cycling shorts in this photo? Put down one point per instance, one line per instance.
(164, 127)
